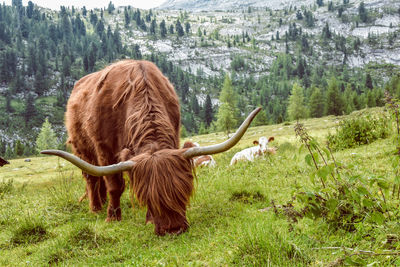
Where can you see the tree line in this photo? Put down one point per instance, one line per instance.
(42, 54)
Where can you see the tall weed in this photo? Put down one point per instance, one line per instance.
(337, 195)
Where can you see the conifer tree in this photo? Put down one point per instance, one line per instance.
(349, 99)
(29, 111)
(187, 27)
(362, 12)
(316, 103)
(18, 149)
(261, 119)
(368, 82)
(296, 108)
(153, 26)
(208, 111)
(226, 117)
(47, 138)
(334, 101)
(127, 18)
(179, 28)
(163, 29)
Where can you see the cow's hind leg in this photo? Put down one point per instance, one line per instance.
(93, 186)
(103, 192)
(115, 186)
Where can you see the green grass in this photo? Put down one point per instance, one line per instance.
(231, 222)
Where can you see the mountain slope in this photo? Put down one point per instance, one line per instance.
(212, 5)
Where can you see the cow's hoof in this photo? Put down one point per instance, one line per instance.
(95, 209)
(112, 219)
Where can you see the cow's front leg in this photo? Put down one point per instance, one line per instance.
(93, 184)
(115, 187)
(103, 190)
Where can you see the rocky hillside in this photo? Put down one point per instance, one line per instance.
(212, 5)
(266, 47)
(262, 21)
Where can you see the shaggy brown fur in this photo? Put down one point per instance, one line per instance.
(130, 111)
(3, 162)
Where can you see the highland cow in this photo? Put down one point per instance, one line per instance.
(126, 117)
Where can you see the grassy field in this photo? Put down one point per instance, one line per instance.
(230, 215)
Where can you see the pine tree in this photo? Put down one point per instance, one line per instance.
(29, 111)
(226, 117)
(127, 18)
(47, 138)
(371, 101)
(316, 103)
(261, 119)
(195, 105)
(349, 99)
(334, 101)
(296, 109)
(362, 12)
(153, 27)
(110, 8)
(18, 149)
(163, 29)
(368, 82)
(187, 27)
(208, 111)
(179, 28)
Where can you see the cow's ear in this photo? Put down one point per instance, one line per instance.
(125, 154)
(188, 144)
(271, 139)
(255, 142)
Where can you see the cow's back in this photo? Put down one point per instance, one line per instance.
(103, 102)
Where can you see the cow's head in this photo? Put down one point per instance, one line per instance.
(162, 180)
(262, 143)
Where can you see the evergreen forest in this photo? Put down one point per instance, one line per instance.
(44, 52)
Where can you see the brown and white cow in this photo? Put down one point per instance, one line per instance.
(126, 117)
(260, 148)
(205, 160)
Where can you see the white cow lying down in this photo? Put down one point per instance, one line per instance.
(206, 160)
(251, 153)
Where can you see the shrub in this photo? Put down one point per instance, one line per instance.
(359, 131)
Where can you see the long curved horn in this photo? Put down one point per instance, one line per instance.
(218, 148)
(89, 168)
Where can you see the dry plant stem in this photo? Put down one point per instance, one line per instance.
(315, 163)
(334, 162)
(383, 195)
(305, 138)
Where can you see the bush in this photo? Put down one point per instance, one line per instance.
(359, 131)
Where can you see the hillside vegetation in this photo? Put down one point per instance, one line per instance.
(342, 54)
(240, 215)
